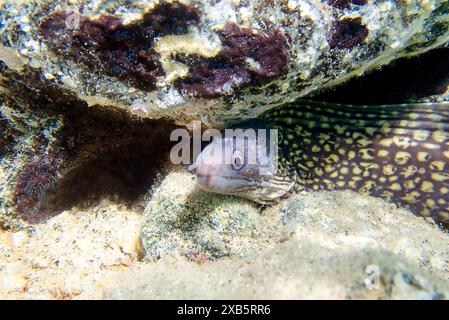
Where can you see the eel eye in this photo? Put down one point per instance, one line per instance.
(237, 160)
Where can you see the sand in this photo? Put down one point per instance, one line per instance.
(326, 245)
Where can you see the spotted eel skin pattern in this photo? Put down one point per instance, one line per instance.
(396, 152)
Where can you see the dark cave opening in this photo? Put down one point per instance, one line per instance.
(402, 81)
(98, 153)
(123, 175)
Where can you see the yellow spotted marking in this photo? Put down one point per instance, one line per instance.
(402, 157)
(370, 131)
(299, 130)
(427, 186)
(352, 184)
(324, 136)
(385, 130)
(437, 165)
(383, 153)
(316, 149)
(431, 146)
(421, 170)
(333, 158)
(340, 129)
(356, 170)
(351, 155)
(413, 124)
(393, 178)
(431, 203)
(439, 136)
(366, 187)
(395, 187)
(369, 165)
(444, 190)
(409, 171)
(387, 195)
(329, 184)
(409, 184)
(334, 174)
(344, 170)
(388, 169)
(308, 115)
(341, 183)
(424, 212)
(423, 156)
(411, 197)
(364, 153)
(435, 117)
(402, 142)
(413, 116)
(421, 135)
(364, 142)
(400, 131)
(404, 123)
(289, 120)
(441, 176)
(387, 142)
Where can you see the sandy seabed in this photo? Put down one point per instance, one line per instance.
(326, 245)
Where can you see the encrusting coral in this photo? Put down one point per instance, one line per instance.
(214, 60)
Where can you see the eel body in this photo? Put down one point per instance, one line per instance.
(396, 152)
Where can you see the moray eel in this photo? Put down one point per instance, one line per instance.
(396, 152)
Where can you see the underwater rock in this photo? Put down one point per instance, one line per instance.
(187, 221)
(76, 86)
(330, 245)
(195, 224)
(63, 257)
(321, 245)
(333, 245)
(215, 60)
(76, 81)
(58, 153)
(292, 270)
(423, 78)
